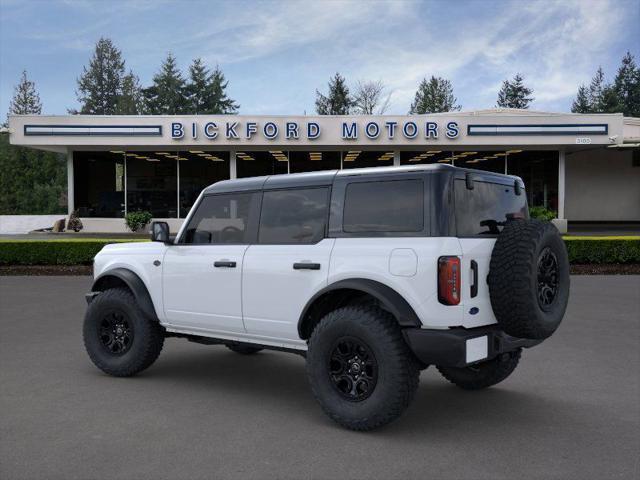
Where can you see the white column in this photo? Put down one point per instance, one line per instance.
(561, 182)
(70, 179)
(233, 172)
(396, 158)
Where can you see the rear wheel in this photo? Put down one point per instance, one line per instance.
(483, 375)
(119, 338)
(243, 348)
(360, 368)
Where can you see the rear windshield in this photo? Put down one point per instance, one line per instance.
(485, 209)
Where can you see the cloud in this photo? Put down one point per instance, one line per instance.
(278, 53)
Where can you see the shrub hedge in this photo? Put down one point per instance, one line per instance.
(584, 250)
(79, 251)
(72, 251)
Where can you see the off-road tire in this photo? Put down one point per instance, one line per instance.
(514, 279)
(397, 369)
(145, 346)
(483, 375)
(243, 348)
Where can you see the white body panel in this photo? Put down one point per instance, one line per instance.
(273, 293)
(261, 299)
(478, 249)
(376, 259)
(199, 295)
(137, 257)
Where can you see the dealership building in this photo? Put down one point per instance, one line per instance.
(585, 167)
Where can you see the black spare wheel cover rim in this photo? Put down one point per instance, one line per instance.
(115, 332)
(547, 278)
(352, 368)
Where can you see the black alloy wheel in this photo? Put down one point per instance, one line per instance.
(547, 278)
(116, 333)
(353, 369)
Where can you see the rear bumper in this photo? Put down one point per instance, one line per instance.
(459, 347)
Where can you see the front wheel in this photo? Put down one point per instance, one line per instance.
(120, 339)
(360, 368)
(484, 374)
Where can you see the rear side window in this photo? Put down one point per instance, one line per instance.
(294, 216)
(485, 209)
(389, 206)
(220, 219)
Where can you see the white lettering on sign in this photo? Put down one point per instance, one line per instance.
(583, 141)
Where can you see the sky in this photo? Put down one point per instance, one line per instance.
(275, 54)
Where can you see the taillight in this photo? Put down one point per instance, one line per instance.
(449, 280)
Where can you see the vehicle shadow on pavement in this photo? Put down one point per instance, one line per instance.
(279, 382)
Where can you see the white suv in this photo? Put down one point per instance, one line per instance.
(372, 274)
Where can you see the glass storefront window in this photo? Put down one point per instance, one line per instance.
(167, 183)
(259, 163)
(197, 170)
(365, 158)
(313, 161)
(152, 184)
(99, 184)
(539, 171)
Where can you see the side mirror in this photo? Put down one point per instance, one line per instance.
(160, 232)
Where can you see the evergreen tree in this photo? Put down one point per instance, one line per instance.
(99, 86)
(25, 99)
(31, 181)
(206, 92)
(433, 96)
(627, 86)
(596, 91)
(581, 104)
(610, 101)
(196, 89)
(514, 94)
(338, 101)
(167, 95)
(130, 101)
(218, 100)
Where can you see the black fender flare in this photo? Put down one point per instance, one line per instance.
(387, 296)
(135, 284)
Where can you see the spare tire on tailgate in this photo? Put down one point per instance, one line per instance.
(529, 279)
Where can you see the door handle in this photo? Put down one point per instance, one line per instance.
(474, 271)
(224, 263)
(306, 266)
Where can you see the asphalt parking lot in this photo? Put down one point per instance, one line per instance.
(571, 409)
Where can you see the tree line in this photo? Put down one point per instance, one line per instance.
(435, 95)
(106, 88)
(621, 95)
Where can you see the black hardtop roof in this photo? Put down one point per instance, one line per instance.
(326, 177)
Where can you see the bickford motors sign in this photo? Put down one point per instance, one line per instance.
(294, 130)
(232, 131)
